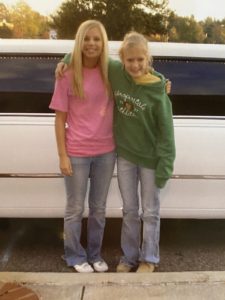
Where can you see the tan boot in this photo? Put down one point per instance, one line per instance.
(123, 268)
(145, 267)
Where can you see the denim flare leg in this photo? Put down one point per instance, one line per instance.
(100, 170)
(129, 177)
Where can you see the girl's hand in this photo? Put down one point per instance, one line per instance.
(65, 166)
(60, 69)
(168, 86)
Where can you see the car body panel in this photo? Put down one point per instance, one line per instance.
(30, 182)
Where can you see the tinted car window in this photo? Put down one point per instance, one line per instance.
(26, 83)
(197, 85)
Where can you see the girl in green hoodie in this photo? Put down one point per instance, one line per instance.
(144, 135)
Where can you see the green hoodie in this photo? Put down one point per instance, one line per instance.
(143, 125)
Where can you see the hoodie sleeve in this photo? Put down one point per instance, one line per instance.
(165, 141)
(66, 59)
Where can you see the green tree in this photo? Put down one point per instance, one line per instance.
(214, 31)
(119, 17)
(69, 16)
(185, 29)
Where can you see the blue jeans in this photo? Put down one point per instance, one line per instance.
(129, 176)
(100, 170)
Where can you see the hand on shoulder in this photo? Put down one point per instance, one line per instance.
(60, 69)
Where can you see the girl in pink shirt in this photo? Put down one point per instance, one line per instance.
(84, 135)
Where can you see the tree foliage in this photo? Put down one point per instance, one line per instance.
(185, 29)
(119, 17)
(214, 31)
(25, 23)
(5, 25)
(28, 22)
(69, 16)
(4, 13)
(150, 17)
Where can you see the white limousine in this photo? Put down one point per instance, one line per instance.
(30, 182)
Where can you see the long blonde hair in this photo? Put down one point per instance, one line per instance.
(134, 39)
(76, 59)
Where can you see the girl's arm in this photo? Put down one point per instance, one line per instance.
(60, 69)
(60, 131)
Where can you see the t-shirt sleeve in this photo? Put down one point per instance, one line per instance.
(59, 99)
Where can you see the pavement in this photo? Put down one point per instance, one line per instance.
(120, 286)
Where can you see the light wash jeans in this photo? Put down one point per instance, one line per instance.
(100, 170)
(129, 176)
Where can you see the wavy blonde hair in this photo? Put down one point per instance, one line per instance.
(76, 60)
(134, 39)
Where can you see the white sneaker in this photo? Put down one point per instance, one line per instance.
(100, 266)
(84, 268)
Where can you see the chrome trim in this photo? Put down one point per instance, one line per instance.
(58, 175)
(199, 177)
(177, 117)
(27, 114)
(30, 175)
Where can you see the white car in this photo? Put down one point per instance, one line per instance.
(30, 182)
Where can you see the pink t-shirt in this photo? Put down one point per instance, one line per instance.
(89, 130)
